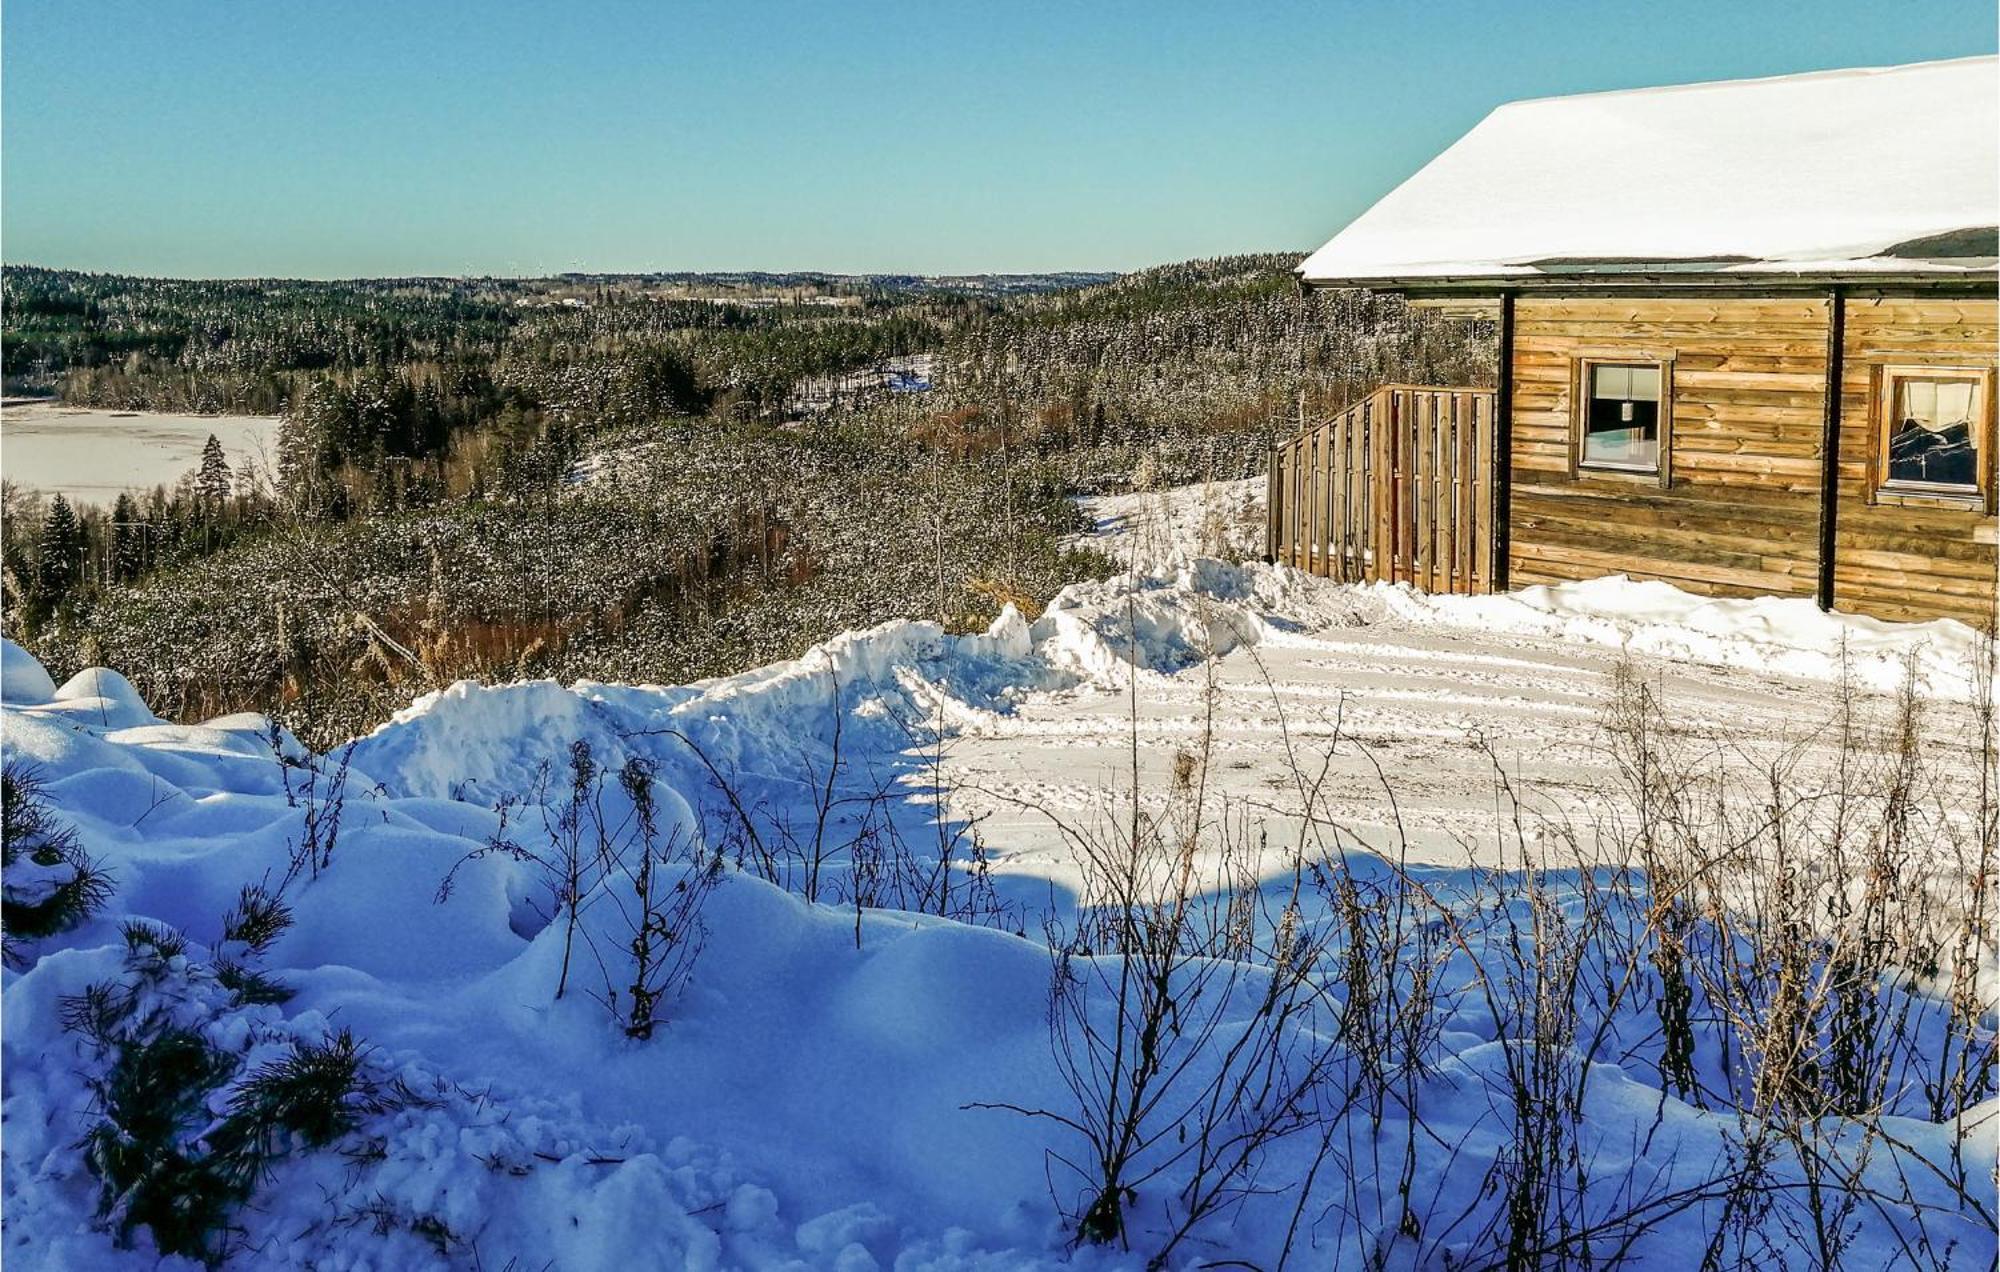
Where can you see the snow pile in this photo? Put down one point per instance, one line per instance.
(538, 1135)
(1820, 172)
(1789, 635)
(485, 743)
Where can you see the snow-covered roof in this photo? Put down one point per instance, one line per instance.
(1825, 174)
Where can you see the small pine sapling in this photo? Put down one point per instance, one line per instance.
(48, 884)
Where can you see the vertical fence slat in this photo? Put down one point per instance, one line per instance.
(1449, 573)
(1336, 539)
(1350, 424)
(1443, 523)
(1422, 461)
(1398, 510)
(1369, 474)
(1323, 501)
(1306, 459)
(1291, 499)
(1475, 481)
(1433, 505)
(1467, 413)
(1388, 515)
(1302, 523)
(1312, 505)
(1382, 526)
(1413, 474)
(1371, 509)
(1482, 498)
(1271, 505)
(1279, 504)
(1450, 576)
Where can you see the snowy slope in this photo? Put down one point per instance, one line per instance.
(807, 1103)
(1818, 173)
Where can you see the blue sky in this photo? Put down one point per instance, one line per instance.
(314, 139)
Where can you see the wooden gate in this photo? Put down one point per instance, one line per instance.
(1397, 488)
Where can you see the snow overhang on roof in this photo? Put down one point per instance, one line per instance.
(1872, 174)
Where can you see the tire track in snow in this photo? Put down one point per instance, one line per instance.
(1419, 698)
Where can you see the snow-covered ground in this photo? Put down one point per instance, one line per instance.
(92, 455)
(1222, 519)
(810, 1099)
(1417, 678)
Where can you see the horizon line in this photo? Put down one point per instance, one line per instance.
(764, 271)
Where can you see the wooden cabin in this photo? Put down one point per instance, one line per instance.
(1747, 333)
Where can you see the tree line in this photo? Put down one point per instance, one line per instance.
(624, 487)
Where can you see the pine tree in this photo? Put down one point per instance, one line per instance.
(213, 482)
(59, 554)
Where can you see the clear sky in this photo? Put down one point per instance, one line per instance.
(317, 139)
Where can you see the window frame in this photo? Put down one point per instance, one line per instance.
(1582, 372)
(1882, 392)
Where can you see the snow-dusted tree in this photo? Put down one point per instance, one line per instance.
(59, 553)
(214, 480)
(301, 444)
(128, 540)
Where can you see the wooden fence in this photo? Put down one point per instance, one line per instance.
(1396, 488)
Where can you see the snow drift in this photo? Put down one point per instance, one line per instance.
(808, 1101)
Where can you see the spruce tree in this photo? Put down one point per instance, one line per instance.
(212, 483)
(128, 540)
(59, 554)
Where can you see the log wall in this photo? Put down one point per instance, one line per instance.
(1739, 514)
(1909, 560)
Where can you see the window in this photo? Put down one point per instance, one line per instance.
(1621, 426)
(1933, 439)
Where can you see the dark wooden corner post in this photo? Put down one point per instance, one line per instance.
(1503, 445)
(1271, 509)
(1829, 443)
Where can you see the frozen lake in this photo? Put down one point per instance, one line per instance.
(92, 455)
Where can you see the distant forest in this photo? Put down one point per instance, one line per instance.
(622, 477)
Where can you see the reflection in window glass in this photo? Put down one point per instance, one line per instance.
(1930, 433)
(1621, 426)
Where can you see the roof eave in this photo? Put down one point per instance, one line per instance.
(1975, 282)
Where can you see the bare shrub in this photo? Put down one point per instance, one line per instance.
(591, 852)
(1796, 942)
(832, 835)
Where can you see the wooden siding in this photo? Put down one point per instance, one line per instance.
(1909, 561)
(1740, 516)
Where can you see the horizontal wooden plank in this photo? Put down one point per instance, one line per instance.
(1897, 607)
(1618, 309)
(1696, 576)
